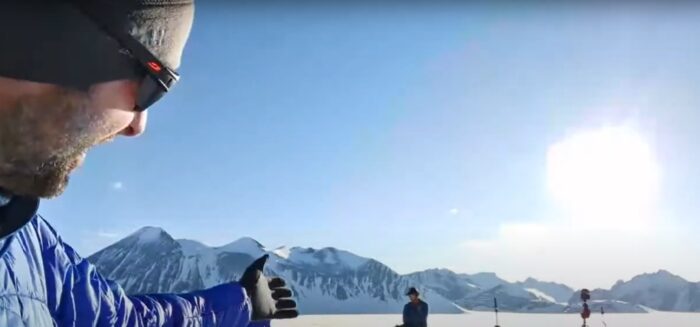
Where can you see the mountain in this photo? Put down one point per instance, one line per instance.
(487, 280)
(660, 291)
(334, 281)
(142, 261)
(450, 285)
(477, 291)
(553, 292)
(511, 297)
(324, 280)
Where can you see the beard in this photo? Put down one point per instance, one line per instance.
(43, 138)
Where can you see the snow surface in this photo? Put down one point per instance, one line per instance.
(656, 319)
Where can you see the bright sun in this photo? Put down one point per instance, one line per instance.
(606, 175)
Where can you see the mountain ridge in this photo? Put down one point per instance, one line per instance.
(335, 281)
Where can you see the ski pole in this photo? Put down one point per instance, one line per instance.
(495, 310)
(602, 316)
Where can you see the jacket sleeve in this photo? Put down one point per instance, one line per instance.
(78, 295)
(424, 313)
(405, 314)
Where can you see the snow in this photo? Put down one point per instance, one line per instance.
(541, 295)
(317, 300)
(190, 247)
(283, 252)
(646, 288)
(245, 245)
(647, 309)
(350, 260)
(655, 319)
(311, 273)
(486, 280)
(647, 281)
(330, 256)
(148, 234)
(559, 292)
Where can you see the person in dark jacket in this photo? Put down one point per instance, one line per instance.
(415, 312)
(74, 74)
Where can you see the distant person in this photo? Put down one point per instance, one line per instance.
(74, 74)
(415, 312)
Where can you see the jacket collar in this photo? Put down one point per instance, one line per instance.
(4, 199)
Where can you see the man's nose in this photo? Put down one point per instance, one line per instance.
(137, 125)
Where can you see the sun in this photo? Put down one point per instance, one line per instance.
(607, 175)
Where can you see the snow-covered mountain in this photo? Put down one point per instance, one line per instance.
(553, 292)
(326, 280)
(512, 297)
(660, 291)
(445, 282)
(333, 281)
(477, 291)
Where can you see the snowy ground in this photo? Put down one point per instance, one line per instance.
(656, 319)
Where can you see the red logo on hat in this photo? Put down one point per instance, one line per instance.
(154, 66)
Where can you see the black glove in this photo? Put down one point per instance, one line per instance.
(269, 296)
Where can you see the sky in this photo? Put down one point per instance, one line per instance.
(559, 143)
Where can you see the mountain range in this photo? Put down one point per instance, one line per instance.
(333, 281)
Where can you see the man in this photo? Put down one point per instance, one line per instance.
(74, 74)
(415, 312)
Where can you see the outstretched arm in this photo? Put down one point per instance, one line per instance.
(223, 305)
(79, 295)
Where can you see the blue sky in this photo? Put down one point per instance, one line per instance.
(415, 135)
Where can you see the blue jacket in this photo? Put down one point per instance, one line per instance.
(415, 315)
(43, 282)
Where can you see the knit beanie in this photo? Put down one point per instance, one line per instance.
(59, 42)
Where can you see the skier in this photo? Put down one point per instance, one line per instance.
(74, 74)
(415, 312)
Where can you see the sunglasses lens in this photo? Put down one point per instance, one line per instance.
(149, 93)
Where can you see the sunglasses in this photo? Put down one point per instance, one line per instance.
(158, 78)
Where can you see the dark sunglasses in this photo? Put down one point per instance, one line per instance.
(158, 78)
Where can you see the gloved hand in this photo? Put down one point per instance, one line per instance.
(269, 296)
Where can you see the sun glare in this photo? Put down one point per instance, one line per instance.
(608, 175)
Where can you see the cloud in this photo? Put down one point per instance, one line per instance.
(454, 211)
(117, 186)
